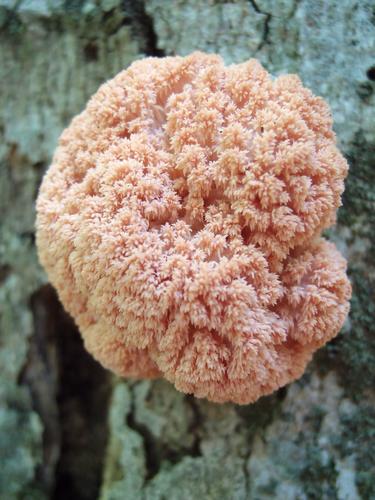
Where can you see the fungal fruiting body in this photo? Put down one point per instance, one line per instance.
(180, 223)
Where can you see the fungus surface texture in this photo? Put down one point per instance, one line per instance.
(181, 219)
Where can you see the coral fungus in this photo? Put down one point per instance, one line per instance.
(180, 223)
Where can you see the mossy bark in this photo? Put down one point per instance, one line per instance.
(70, 430)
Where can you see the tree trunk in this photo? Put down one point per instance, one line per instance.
(68, 429)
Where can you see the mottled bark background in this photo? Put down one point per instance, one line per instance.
(68, 429)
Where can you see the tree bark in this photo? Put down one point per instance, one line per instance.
(68, 429)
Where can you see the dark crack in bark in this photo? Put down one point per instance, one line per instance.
(142, 24)
(150, 444)
(41, 375)
(196, 426)
(157, 452)
(83, 400)
(70, 393)
(266, 26)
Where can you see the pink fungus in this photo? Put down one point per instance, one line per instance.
(180, 223)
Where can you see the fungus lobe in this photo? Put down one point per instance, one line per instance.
(180, 223)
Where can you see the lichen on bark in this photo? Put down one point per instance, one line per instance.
(309, 440)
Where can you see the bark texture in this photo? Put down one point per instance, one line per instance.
(68, 429)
